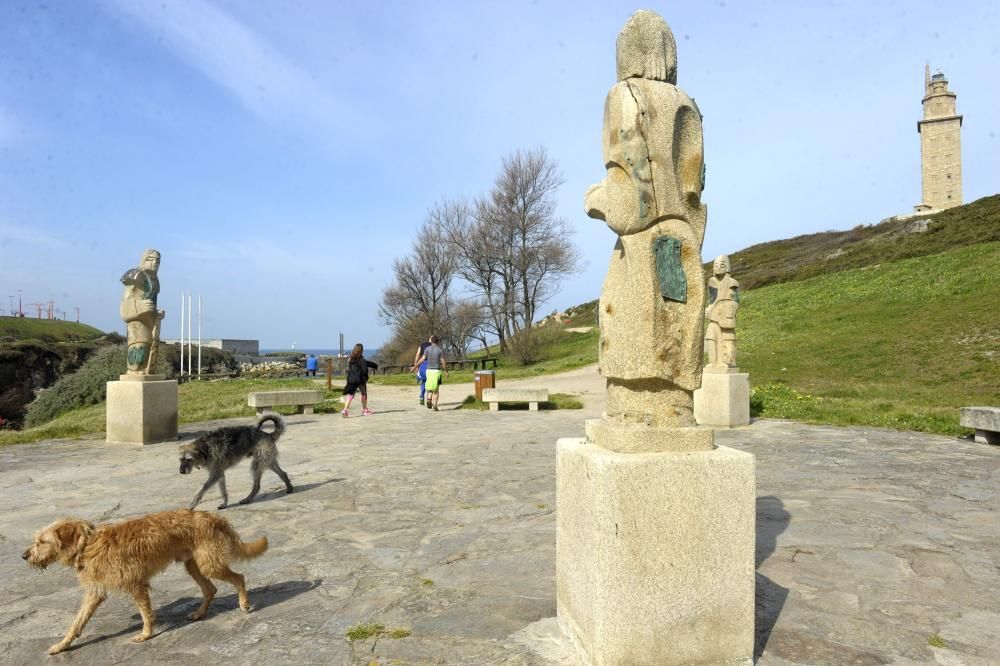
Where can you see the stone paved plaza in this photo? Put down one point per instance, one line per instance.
(873, 547)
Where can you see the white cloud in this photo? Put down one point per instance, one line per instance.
(260, 257)
(13, 235)
(234, 56)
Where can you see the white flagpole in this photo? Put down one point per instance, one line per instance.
(189, 334)
(199, 336)
(182, 334)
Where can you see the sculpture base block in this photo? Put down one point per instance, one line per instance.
(141, 378)
(639, 438)
(655, 555)
(142, 411)
(723, 401)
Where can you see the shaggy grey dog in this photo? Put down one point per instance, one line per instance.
(223, 448)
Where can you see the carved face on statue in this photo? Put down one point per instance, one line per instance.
(150, 261)
(721, 265)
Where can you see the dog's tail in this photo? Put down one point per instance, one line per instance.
(279, 424)
(247, 551)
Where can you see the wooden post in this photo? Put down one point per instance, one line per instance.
(329, 373)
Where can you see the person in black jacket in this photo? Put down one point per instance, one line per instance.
(357, 379)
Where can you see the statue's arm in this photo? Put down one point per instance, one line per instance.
(133, 306)
(690, 140)
(616, 199)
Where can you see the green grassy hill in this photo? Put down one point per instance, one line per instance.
(901, 344)
(49, 330)
(812, 255)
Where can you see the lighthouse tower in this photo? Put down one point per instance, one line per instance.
(940, 146)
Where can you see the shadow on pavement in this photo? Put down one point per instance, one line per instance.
(261, 597)
(772, 520)
(174, 614)
(280, 492)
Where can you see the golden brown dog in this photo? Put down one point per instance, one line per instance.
(126, 555)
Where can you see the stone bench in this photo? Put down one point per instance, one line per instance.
(495, 396)
(984, 420)
(304, 399)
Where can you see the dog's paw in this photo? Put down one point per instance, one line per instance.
(222, 506)
(290, 489)
(245, 501)
(141, 638)
(246, 609)
(195, 616)
(57, 648)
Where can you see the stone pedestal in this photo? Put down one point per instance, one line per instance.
(142, 409)
(723, 401)
(655, 555)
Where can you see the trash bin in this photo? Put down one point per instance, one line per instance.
(485, 379)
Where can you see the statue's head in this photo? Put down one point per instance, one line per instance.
(150, 261)
(721, 265)
(646, 49)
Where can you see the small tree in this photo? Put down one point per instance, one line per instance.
(513, 250)
(422, 283)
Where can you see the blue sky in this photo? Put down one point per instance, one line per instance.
(280, 154)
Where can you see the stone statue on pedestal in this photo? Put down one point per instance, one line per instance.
(654, 522)
(651, 304)
(138, 310)
(724, 301)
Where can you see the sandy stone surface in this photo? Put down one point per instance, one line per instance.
(873, 547)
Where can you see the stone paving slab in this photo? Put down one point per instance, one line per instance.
(871, 544)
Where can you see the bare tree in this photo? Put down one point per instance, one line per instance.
(510, 250)
(466, 325)
(473, 242)
(423, 280)
(529, 250)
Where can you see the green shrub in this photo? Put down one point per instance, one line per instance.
(86, 386)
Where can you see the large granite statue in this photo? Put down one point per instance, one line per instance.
(654, 522)
(724, 301)
(651, 304)
(138, 309)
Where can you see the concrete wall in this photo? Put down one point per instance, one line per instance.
(230, 344)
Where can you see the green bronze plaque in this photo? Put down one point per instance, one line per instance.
(673, 283)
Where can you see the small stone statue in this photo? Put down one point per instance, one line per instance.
(724, 301)
(651, 303)
(138, 310)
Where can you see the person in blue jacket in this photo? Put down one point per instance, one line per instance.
(422, 368)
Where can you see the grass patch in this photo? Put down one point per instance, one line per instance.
(198, 401)
(364, 632)
(49, 330)
(813, 255)
(555, 401)
(903, 345)
(936, 641)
